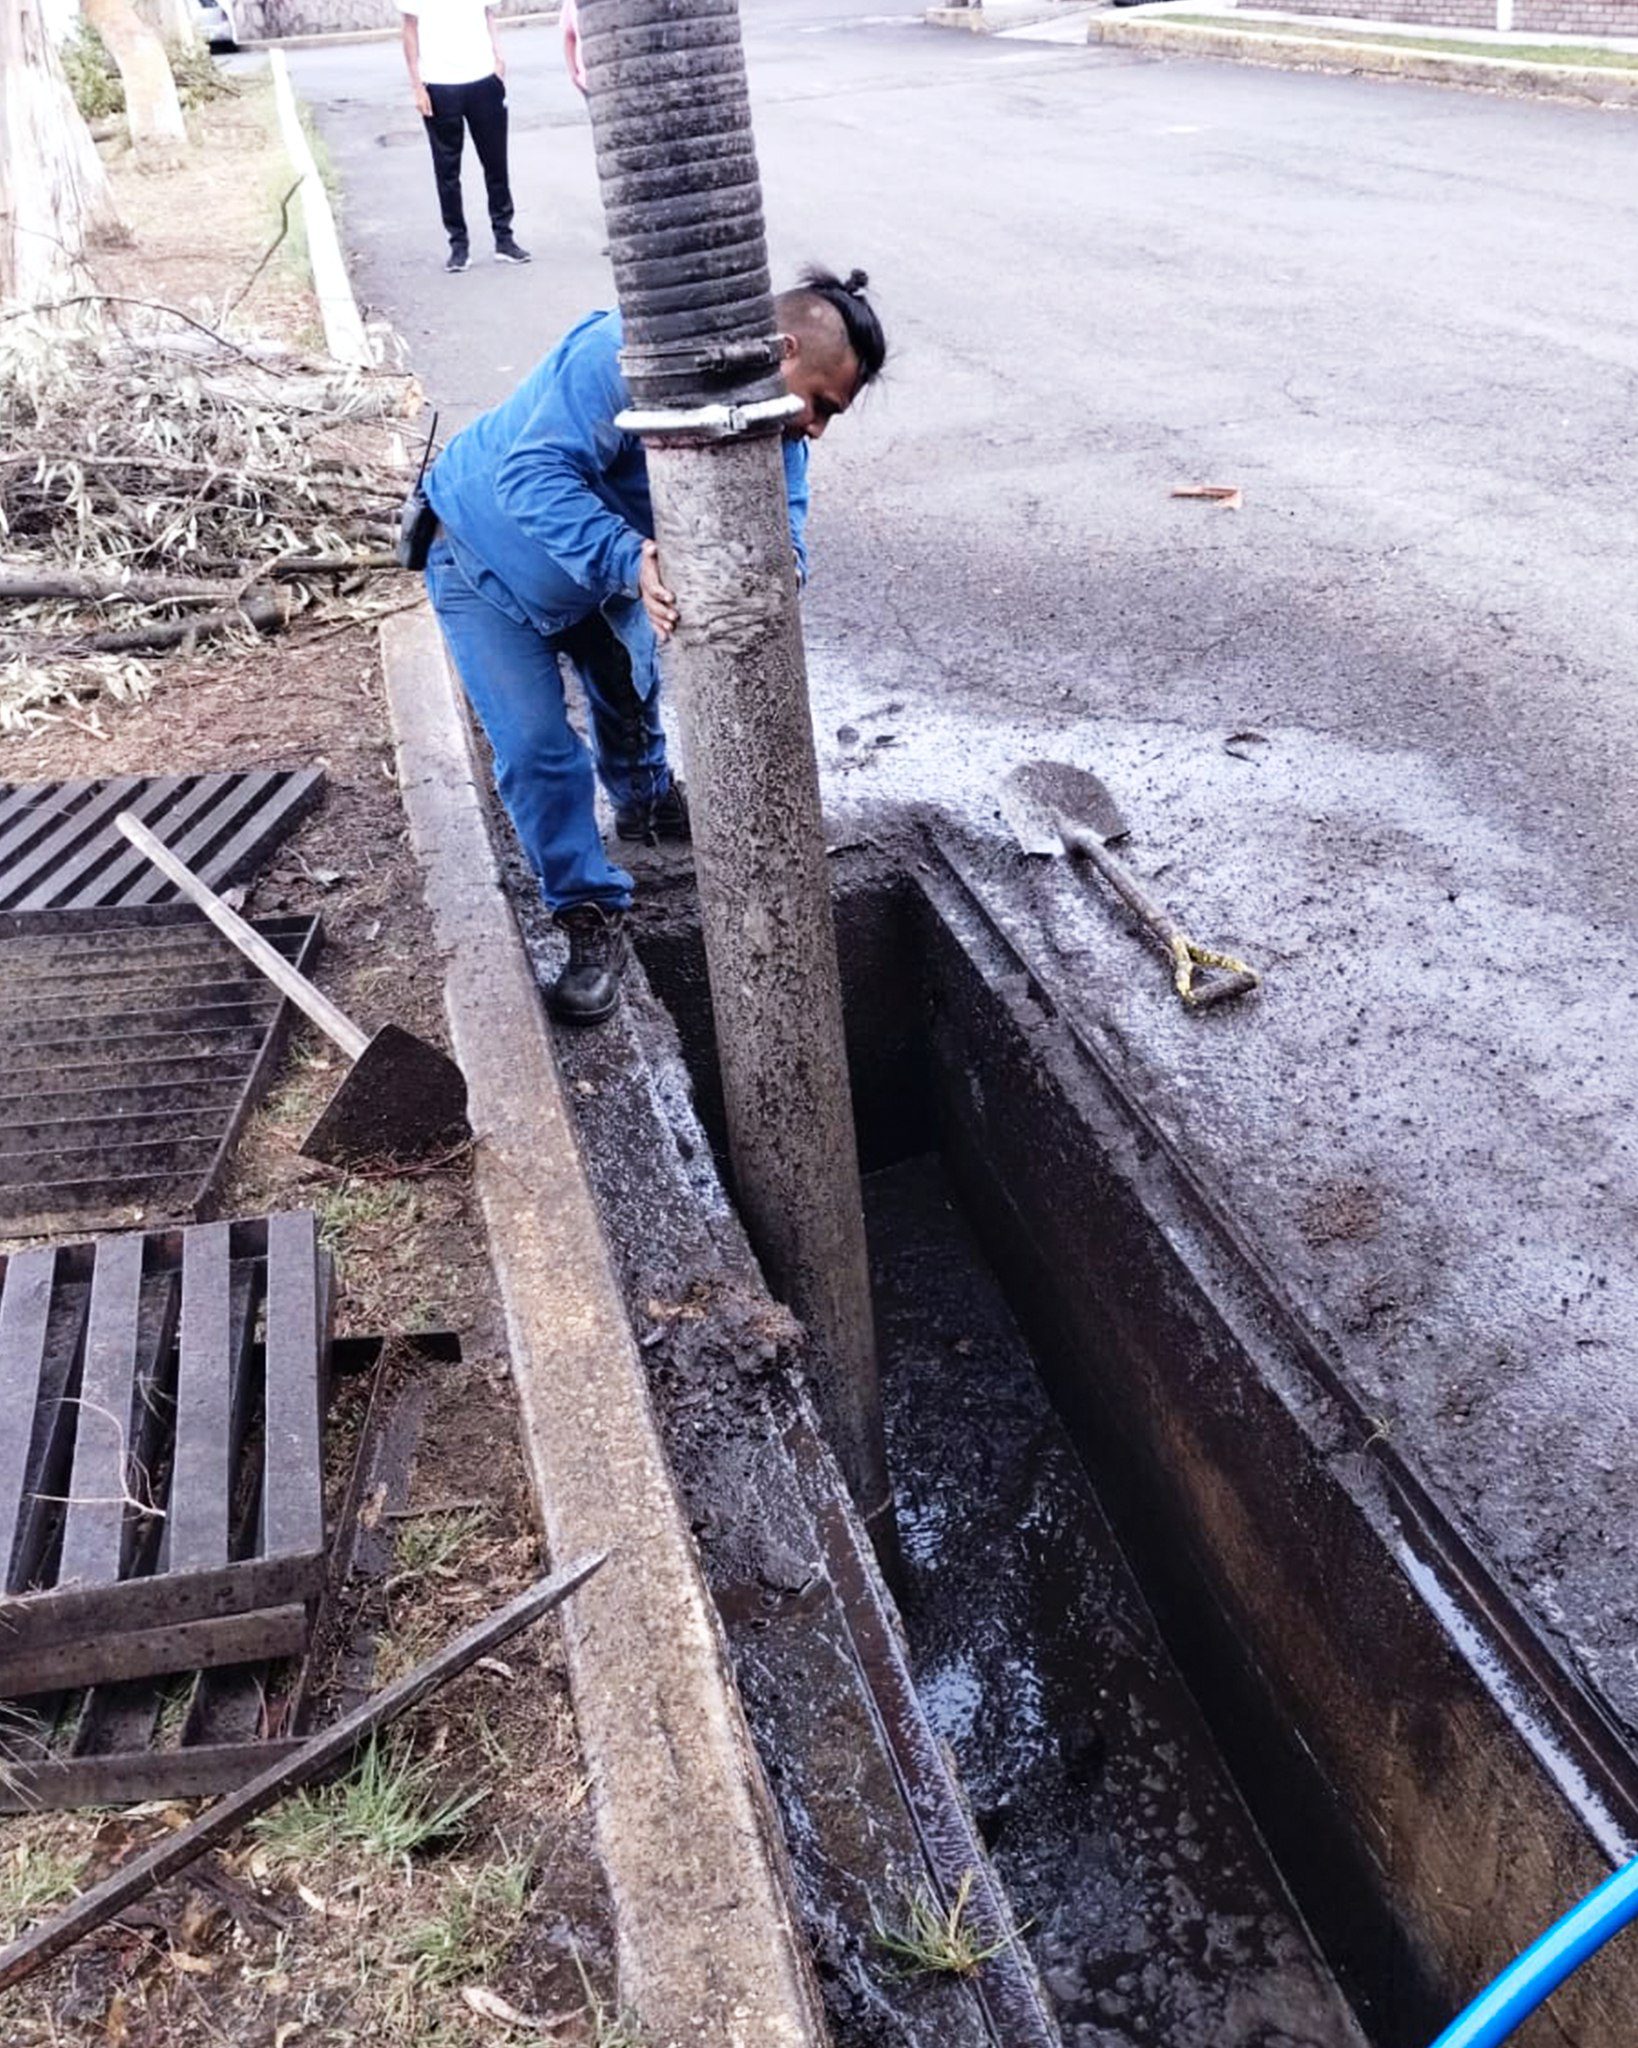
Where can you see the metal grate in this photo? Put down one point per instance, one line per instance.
(132, 1046)
(198, 1733)
(161, 1485)
(60, 850)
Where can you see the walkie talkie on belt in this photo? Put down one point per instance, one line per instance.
(417, 523)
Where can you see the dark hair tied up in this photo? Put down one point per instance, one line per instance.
(857, 314)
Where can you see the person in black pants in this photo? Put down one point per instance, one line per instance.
(458, 77)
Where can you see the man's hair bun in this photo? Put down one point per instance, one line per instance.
(858, 316)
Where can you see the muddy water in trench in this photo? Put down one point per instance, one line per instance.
(1157, 1915)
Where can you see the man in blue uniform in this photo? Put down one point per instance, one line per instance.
(545, 549)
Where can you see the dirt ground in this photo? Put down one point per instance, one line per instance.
(198, 231)
(455, 1868)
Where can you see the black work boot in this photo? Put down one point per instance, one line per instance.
(589, 987)
(666, 818)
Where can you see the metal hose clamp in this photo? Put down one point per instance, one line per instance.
(708, 422)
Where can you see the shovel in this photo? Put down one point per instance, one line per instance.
(402, 1098)
(1056, 809)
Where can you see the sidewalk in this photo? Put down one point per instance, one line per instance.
(1597, 68)
(1603, 69)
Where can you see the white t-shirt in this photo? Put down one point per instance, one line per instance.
(455, 45)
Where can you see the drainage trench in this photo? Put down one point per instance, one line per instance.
(1244, 1780)
(1158, 1914)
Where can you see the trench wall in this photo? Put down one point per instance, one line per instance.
(1423, 1839)
(1395, 1791)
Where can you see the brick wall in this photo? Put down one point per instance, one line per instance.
(1553, 17)
(262, 19)
(1577, 17)
(1424, 13)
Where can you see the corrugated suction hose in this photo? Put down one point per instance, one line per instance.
(671, 116)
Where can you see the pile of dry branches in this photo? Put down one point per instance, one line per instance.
(161, 486)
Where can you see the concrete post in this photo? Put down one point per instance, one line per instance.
(740, 682)
(682, 199)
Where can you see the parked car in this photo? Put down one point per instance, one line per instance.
(217, 24)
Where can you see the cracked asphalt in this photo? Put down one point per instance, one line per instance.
(1401, 319)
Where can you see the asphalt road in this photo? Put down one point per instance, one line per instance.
(1402, 320)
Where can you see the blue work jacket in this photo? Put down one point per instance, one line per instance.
(544, 501)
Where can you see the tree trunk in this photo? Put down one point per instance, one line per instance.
(152, 108)
(54, 192)
(175, 22)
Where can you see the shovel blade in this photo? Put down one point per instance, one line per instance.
(1040, 798)
(402, 1099)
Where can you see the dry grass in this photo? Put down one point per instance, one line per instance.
(38, 1873)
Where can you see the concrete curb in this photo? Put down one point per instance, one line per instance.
(999, 15)
(336, 38)
(1298, 52)
(707, 1942)
(344, 335)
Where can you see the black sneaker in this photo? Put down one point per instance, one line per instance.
(589, 987)
(458, 257)
(509, 251)
(665, 819)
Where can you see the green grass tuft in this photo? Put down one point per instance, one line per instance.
(468, 1937)
(942, 1940)
(386, 1806)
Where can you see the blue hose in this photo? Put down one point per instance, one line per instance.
(1544, 1966)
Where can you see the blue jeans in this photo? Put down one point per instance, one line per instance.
(509, 670)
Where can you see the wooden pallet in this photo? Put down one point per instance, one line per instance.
(161, 1484)
(59, 848)
(197, 1734)
(133, 1045)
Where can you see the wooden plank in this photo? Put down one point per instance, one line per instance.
(94, 1525)
(25, 1316)
(124, 1779)
(196, 1530)
(293, 1473)
(33, 1621)
(319, 1754)
(122, 1654)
